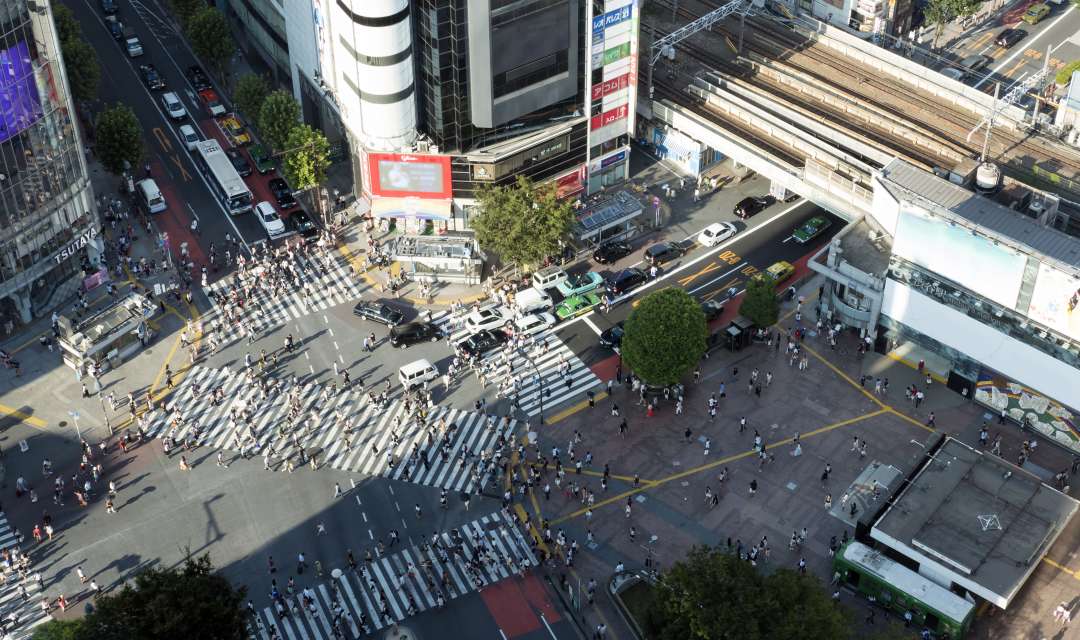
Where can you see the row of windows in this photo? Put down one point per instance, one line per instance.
(530, 73)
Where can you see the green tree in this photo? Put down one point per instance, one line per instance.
(83, 69)
(664, 336)
(1064, 74)
(185, 10)
(759, 301)
(939, 13)
(307, 157)
(523, 223)
(251, 90)
(188, 602)
(61, 629)
(119, 138)
(67, 27)
(210, 38)
(712, 595)
(278, 116)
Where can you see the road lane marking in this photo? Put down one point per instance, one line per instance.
(162, 139)
(179, 165)
(702, 286)
(712, 266)
(21, 416)
(591, 325)
(1010, 58)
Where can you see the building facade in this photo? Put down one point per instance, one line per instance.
(51, 239)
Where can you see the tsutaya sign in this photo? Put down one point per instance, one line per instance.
(76, 244)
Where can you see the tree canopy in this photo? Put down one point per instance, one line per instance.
(759, 301)
(523, 223)
(185, 10)
(712, 595)
(251, 90)
(1065, 73)
(67, 26)
(119, 138)
(81, 63)
(187, 602)
(307, 158)
(664, 336)
(210, 38)
(279, 114)
(938, 13)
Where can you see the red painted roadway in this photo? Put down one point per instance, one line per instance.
(605, 369)
(516, 605)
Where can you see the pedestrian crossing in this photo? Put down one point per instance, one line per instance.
(398, 585)
(19, 613)
(325, 281)
(345, 429)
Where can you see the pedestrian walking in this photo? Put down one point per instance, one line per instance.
(337, 490)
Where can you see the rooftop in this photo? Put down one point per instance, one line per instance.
(985, 522)
(996, 221)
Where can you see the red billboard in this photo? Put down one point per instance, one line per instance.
(571, 183)
(607, 117)
(404, 175)
(607, 87)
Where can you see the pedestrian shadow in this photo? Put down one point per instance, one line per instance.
(112, 383)
(131, 482)
(132, 500)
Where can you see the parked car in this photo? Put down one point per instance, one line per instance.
(235, 130)
(151, 78)
(663, 252)
(379, 311)
(612, 336)
(115, 27)
(490, 318)
(282, 193)
(108, 7)
(305, 226)
(189, 136)
(712, 309)
(173, 106)
(576, 305)
(533, 323)
(411, 333)
(133, 46)
(1008, 37)
(264, 162)
(1035, 13)
(716, 233)
(480, 343)
(197, 77)
(239, 162)
(778, 271)
(811, 229)
(626, 280)
(611, 251)
(751, 206)
(212, 102)
(269, 219)
(580, 283)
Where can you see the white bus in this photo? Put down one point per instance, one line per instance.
(228, 186)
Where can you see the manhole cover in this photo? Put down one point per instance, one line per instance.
(791, 486)
(62, 423)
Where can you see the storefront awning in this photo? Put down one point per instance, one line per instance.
(410, 208)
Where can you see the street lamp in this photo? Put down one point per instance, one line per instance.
(539, 377)
(75, 418)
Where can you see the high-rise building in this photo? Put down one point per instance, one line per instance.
(50, 241)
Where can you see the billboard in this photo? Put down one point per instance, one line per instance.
(608, 117)
(601, 89)
(20, 104)
(1055, 301)
(399, 175)
(954, 252)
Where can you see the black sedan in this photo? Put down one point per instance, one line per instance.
(108, 7)
(753, 205)
(712, 309)
(378, 311)
(282, 193)
(1008, 37)
(626, 280)
(197, 77)
(612, 336)
(305, 226)
(239, 162)
(611, 251)
(151, 78)
(480, 343)
(404, 335)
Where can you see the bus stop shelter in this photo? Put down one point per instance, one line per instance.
(610, 218)
(109, 336)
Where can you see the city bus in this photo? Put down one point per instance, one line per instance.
(899, 589)
(228, 187)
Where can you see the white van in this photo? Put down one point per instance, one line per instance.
(188, 135)
(151, 195)
(417, 373)
(548, 278)
(532, 300)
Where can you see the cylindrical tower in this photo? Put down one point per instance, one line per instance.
(372, 41)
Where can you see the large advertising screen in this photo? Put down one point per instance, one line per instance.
(20, 105)
(398, 175)
(1055, 301)
(972, 261)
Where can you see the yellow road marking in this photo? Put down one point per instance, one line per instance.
(981, 40)
(21, 416)
(845, 376)
(1062, 568)
(571, 410)
(685, 280)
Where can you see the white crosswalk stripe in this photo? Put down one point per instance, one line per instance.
(331, 283)
(458, 446)
(19, 615)
(402, 584)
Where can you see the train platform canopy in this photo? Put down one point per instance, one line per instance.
(974, 520)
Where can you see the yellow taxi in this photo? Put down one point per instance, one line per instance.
(235, 130)
(778, 271)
